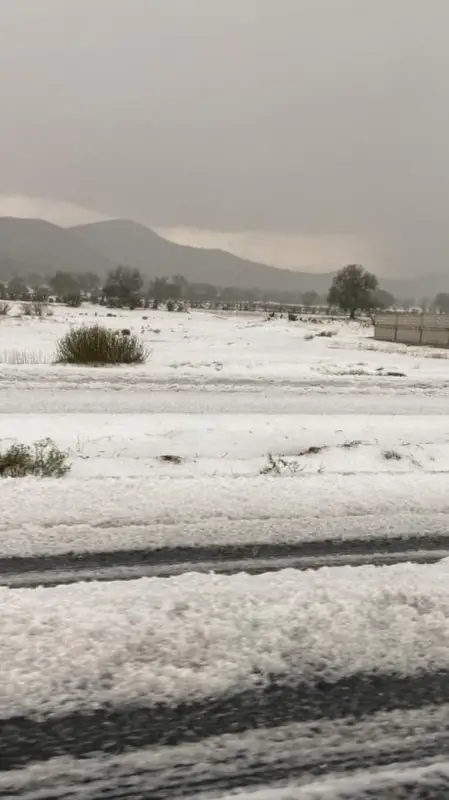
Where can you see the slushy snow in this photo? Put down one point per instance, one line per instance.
(194, 636)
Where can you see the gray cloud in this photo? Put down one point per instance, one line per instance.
(301, 116)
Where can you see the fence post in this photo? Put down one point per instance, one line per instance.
(421, 328)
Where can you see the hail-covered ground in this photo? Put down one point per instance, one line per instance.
(241, 584)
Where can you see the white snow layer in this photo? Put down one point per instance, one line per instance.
(370, 476)
(55, 516)
(193, 636)
(108, 445)
(227, 346)
(263, 363)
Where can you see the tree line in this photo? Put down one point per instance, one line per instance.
(124, 286)
(354, 290)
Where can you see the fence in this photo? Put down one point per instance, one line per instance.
(431, 330)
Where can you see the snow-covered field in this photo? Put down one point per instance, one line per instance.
(215, 362)
(238, 431)
(233, 418)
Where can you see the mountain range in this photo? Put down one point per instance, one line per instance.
(35, 246)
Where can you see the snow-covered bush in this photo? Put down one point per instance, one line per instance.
(97, 345)
(42, 459)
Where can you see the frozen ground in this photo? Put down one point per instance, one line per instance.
(233, 445)
(359, 437)
(201, 636)
(54, 516)
(218, 363)
(219, 394)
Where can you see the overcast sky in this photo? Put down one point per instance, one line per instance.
(312, 131)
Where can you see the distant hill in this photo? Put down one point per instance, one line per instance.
(9, 267)
(37, 246)
(135, 245)
(32, 245)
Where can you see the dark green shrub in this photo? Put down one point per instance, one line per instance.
(42, 459)
(97, 345)
(73, 299)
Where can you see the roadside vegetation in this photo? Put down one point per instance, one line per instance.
(96, 345)
(43, 459)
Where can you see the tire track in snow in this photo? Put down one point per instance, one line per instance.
(50, 570)
(354, 728)
(304, 752)
(159, 735)
(210, 400)
(26, 739)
